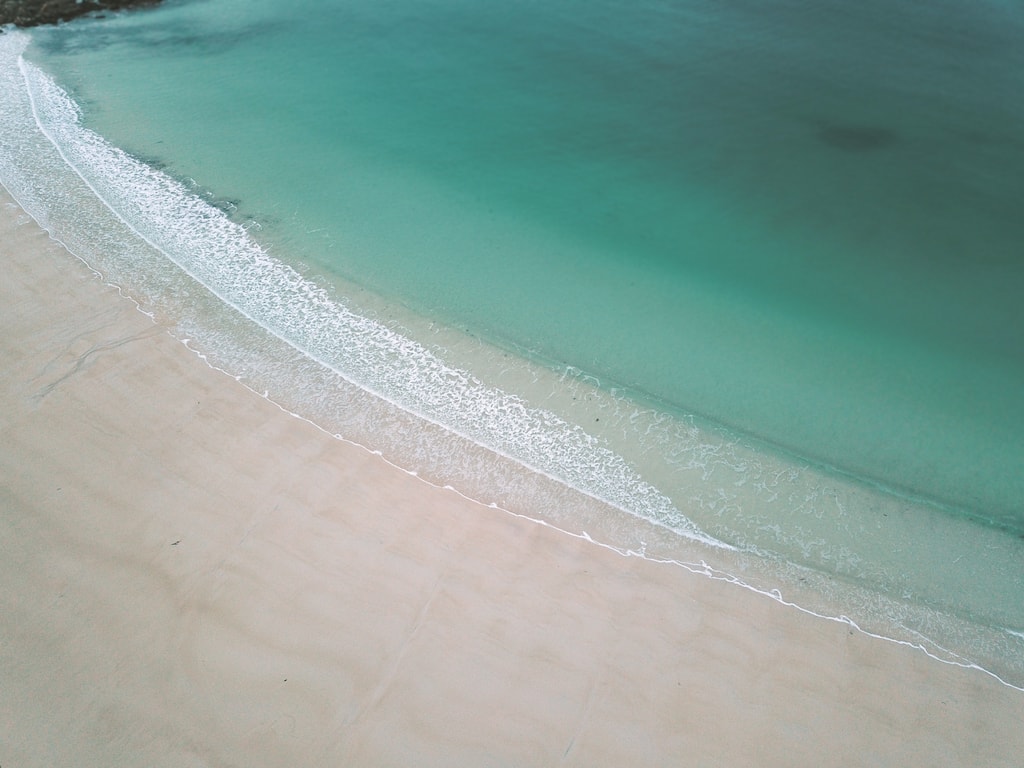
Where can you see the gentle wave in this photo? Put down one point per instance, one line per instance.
(219, 254)
(147, 229)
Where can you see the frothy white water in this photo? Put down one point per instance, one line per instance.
(221, 255)
(148, 231)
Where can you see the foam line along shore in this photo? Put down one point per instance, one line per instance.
(120, 200)
(193, 574)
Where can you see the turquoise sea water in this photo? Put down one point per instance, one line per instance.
(747, 271)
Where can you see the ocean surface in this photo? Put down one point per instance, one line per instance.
(733, 285)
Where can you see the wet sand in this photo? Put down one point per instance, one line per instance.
(191, 576)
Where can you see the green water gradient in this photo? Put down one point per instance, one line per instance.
(782, 241)
(799, 223)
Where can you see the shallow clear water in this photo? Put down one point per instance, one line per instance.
(749, 271)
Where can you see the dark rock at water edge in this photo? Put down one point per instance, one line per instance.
(31, 13)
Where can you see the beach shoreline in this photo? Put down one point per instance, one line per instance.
(194, 576)
(547, 443)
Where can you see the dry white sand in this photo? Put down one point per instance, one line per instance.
(189, 576)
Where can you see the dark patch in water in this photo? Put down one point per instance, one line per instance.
(855, 138)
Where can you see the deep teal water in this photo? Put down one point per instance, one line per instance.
(796, 226)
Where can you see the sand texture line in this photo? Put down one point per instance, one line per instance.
(193, 577)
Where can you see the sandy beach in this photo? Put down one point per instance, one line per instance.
(193, 577)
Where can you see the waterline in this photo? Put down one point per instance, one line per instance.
(365, 381)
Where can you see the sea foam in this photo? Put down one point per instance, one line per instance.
(221, 256)
(187, 260)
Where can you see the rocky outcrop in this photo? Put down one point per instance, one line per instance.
(30, 13)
